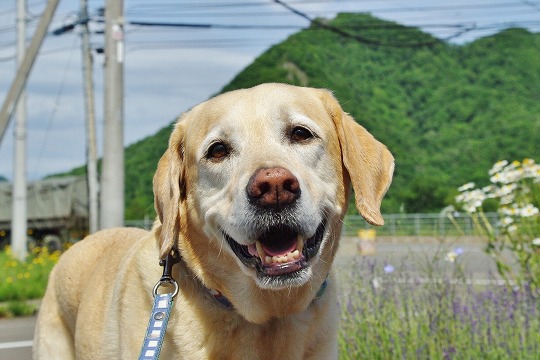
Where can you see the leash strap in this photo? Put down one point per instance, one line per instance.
(157, 325)
(159, 318)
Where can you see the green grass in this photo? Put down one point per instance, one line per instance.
(17, 308)
(23, 280)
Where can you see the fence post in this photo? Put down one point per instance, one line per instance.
(442, 229)
(469, 226)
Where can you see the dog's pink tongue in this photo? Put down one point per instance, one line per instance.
(252, 249)
(279, 252)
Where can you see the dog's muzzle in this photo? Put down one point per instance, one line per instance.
(281, 248)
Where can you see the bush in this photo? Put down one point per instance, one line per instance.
(515, 189)
(25, 280)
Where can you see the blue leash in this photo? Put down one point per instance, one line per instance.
(161, 311)
(155, 333)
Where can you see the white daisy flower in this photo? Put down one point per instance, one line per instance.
(467, 186)
(529, 211)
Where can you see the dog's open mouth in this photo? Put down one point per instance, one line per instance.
(279, 251)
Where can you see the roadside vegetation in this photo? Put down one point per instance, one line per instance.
(388, 313)
(22, 281)
(514, 190)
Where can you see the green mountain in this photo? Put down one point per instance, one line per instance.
(447, 112)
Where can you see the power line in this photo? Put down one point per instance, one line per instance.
(197, 44)
(186, 9)
(214, 26)
(345, 34)
(175, 9)
(163, 8)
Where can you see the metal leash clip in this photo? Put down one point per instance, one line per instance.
(167, 279)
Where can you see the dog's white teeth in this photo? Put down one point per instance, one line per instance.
(252, 249)
(260, 250)
(282, 259)
(300, 243)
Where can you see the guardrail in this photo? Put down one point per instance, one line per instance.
(396, 224)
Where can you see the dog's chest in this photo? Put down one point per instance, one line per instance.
(232, 337)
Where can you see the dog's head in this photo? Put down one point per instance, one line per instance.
(258, 180)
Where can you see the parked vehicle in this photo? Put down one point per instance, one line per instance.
(57, 211)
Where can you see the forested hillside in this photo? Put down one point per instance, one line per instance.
(447, 112)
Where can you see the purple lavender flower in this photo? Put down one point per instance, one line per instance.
(388, 269)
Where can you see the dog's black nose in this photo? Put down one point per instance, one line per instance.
(273, 188)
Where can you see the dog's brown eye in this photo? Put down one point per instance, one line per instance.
(217, 151)
(300, 134)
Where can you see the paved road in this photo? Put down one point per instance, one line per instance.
(16, 334)
(413, 258)
(16, 338)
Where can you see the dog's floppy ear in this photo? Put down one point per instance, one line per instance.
(369, 163)
(168, 187)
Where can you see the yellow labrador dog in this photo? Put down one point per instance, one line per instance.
(251, 191)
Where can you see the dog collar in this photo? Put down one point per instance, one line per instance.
(219, 297)
(322, 289)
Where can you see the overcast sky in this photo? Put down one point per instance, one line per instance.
(168, 70)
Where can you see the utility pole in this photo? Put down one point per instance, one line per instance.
(90, 120)
(26, 66)
(112, 175)
(19, 217)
